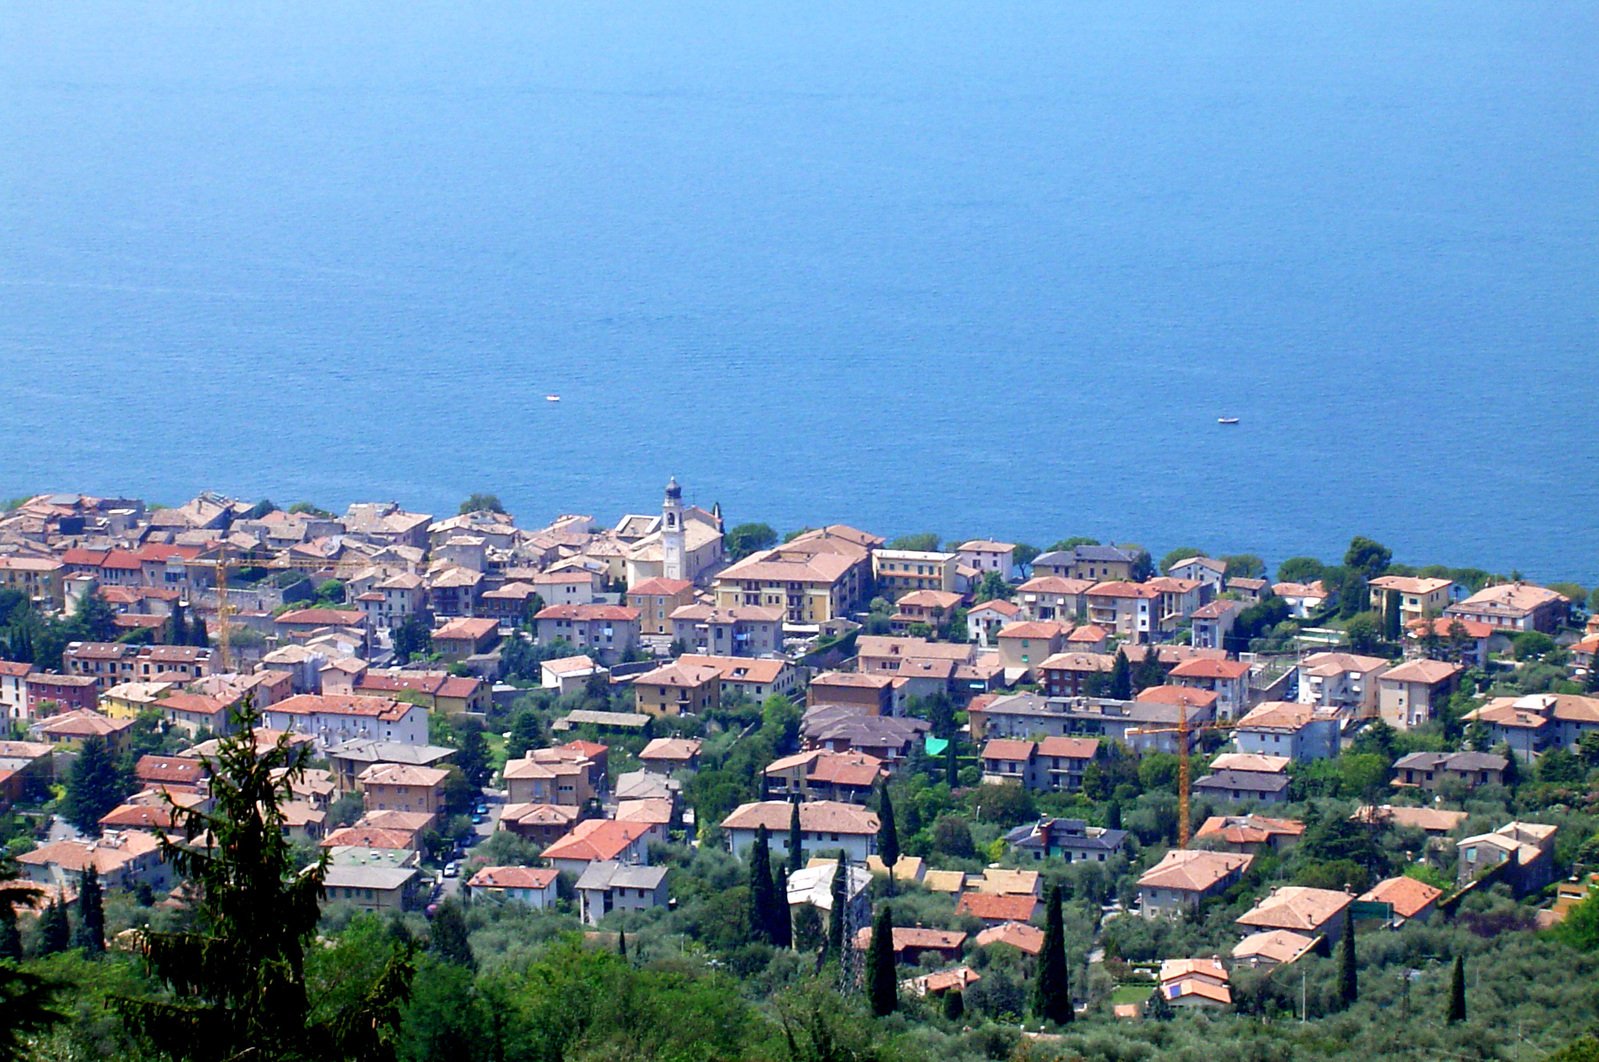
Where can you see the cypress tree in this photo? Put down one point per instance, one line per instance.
(882, 981)
(1457, 991)
(621, 944)
(90, 932)
(952, 774)
(783, 926)
(55, 933)
(835, 917)
(887, 836)
(1121, 679)
(796, 839)
(762, 891)
(954, 1004)
(448, 939)
(1348, 985)
(1390, 616)
(1052, 996)
(1113, 815)
(176, 633)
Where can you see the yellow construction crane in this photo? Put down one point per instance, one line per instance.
(1184, 732)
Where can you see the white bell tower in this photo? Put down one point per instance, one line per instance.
(673, 563)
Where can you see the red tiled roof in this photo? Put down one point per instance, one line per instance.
(991, 907)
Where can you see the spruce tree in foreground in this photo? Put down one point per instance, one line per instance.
(90, 932)
(237, 980)
(1052, 996)
(882, 981)
(26, 999)
(1457, 991)
(1348, 984)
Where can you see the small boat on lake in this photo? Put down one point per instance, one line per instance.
(552, 398)
(1226, 420)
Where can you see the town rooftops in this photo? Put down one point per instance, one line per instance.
(1431, 820)
(680, 676)
(998, 907)
(1069, 748)
(1297, 908)
(322, 617)
(1330, 665)
(1008, 749)
(1244, 781)
(370, 837)
(1055, 584)
(597, 839)
(513, 878)
(915, 937)
(999, 606)
(1188, 870)
(113, 850)
(1189, 695)
(1248, 829)
(1027, 939)
(369, 876)
(588, 613)
(1040, 629)
(1407, 584)
(1407, 896)
(1210, 669)
(1427, 672)
(1122, 589)
(1278, 715)
(570, 665)
(1250, 761)
(1510, 599)
(372, 750)
(1535, 710)
(402, 774)
(381, 708)
(467, 628)
(1216, 609)
(1445, 626)
(1451, 761)
(816, 816)
(82, 723)
(609, 874)
(670, 750)
(1276, 946)
(432, 683)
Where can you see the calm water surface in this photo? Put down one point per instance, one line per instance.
(973, 268)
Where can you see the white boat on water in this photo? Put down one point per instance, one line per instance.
(552, 398)
(1226, 420)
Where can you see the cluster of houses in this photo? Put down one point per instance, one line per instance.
(652, 607)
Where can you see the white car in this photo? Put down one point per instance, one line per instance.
(452, 869)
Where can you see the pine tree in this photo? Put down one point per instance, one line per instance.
(93, 787)
(1457, 991)
(235, 979)
(1121, 678)
(882, 980)
(1052, 997)
(763, 892)
(887, 836)
(26, 999)
(835, 917)
(95, 620)
(1348, 983)
(954, 1004)
(55, 932)
(473, 755)
(448, 937)
(90, 932)
(796, 839)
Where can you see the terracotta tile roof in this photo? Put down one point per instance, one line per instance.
(333, 704)
(403, 774)
(1250, 761)
(1079, 662)
(1033, 629)
(1432, 820)
(1008, 749)
(1121, 589)
(996, 908)
(593, 840)
(468, 628)
(568, 665)
(322, 617)
(1217, 609)
(671, 750)
(679, 675)
(1020, 935)
(1189, 870)
(1056, 584)
(1442, 625)
(660, 587)
(1248, 829)
(14, 669)
(539, 814)
(1277, 715)
(1069, 748)
(816, 816)
(915, 937)
(1408, 896)
(369, 837)
(1275, 945)
(1003, 608)
(107, 855)
(615, 613)
(1297, 908)
(142, 817)
(1307, 590)
(1000, 881)
(1406, 584)
(83, 723)
(1091, 633)
(1210, 669)
(1428, 672)
(193, 704)
(1189, 695)
(513, 878)
(950, 881)
(1510, 598)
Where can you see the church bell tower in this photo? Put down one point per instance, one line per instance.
(673, 561)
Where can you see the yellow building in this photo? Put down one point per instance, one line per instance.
(44, 581)
(901, 571)
(679, 689)
(819, 576)
(1418, 598)
(126, 700)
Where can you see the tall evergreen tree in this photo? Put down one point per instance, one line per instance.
(835, 917)
(1457, 991)
(882, 980)
(10, 939)
(783, 927)
(236, 981)
(94, 620)
(177, 632)
(90, 931)
(93, 788)
(954, 1004)
(1591, 685)
(621, 943)
(1113, 815)
(1348, 983)
(763, 891)
(1052, 996)
(1121, 679)
(1391, 616)
(473, 755)
(26, 999)
(952, 774)
(55, 931)
(796, 840)
(887, 836)
(448, 937)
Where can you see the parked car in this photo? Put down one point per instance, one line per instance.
(452, 869)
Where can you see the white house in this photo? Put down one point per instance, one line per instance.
(534, 886)
(329, 720)
(826, 826)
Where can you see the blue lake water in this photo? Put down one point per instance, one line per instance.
(971, 268)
